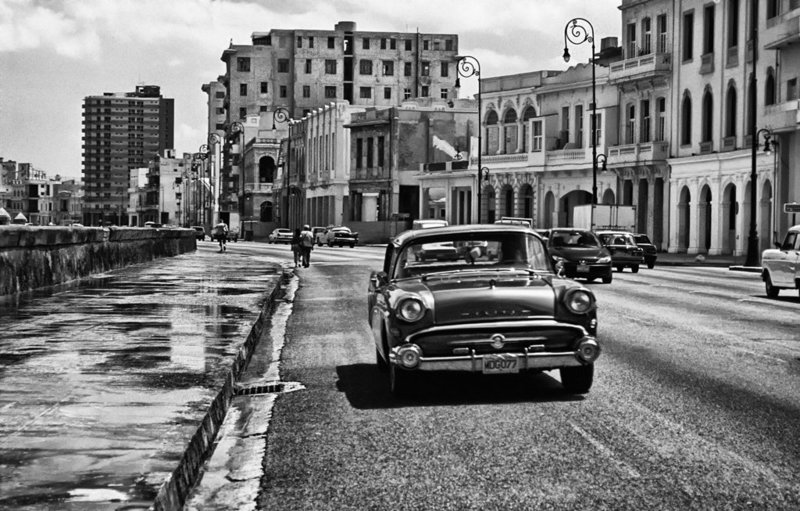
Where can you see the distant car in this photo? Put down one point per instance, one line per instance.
(544, 233)
(513, 220)
(489, 317)
(340, 236)
(649, 249)
(623, 248)
(200, 232)
(580, 254)
(427, 223)
(319, 234)
(154, 225)
(280, 235)
(781, 265)
(233, 235)
(445, 251)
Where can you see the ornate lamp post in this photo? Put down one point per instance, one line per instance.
(199, 204)
(752, 239)
(469, 66)
(214, 140)
(279, 116)
(579, 31)
(753, 251)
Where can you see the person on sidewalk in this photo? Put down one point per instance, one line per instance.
(306, 244)
(221, 233)
(296, 251)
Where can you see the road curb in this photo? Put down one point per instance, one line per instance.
(173, 493)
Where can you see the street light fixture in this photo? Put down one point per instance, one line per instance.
(470, 66)
(280, 115)
(579, 31)
(601, 160)
(752, 238)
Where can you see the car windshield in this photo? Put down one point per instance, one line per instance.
(471, 251)
(575, 239)
(618, 239)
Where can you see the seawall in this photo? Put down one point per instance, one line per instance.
(32, 257)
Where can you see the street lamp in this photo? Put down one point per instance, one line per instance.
(214, 140)
(282, 115)
(579, 31)
(469, 66)
(752, 238)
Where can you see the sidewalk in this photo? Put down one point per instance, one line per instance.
(734, 263)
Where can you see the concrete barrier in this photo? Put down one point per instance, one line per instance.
(32, 257)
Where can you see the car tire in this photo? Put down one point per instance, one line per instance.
(400, 381)
(635, 268)
(352, 245)
(577, 380)
(608, 278)
(330, 244)
(620, 268)
(772, 291)
(651, 265)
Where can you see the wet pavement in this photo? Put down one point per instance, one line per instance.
(103, 382)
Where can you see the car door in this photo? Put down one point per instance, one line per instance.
(783, 262)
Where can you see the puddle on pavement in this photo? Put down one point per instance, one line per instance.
(103, 382)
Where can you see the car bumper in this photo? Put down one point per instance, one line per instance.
(592, 271)
(587, 353)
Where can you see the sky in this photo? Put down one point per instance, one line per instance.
(54, 53)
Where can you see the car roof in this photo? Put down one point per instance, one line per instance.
(435, 232)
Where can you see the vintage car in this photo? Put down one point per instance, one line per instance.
(340, 236)
(780, 266)
(200, 232)
(280, 235)
(319, 234)
(491, 316)
(649, 249)
(623, 248)
(580, 253)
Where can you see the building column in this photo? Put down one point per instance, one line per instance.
(519, 135)
(675, 214)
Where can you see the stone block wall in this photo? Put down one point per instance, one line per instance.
(32, 257)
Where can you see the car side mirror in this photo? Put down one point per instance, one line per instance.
(378, 279)
(559, 268)
(777, 244)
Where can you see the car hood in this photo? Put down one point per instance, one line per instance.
(489, 296)
(578, 253)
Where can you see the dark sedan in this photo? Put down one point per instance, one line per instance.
(624, 250)
(649, 249)
(580, 254)
(484, 315)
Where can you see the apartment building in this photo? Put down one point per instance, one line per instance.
(300, 71)
(121, 131)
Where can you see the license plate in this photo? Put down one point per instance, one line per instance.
(583, 268)
(502, 363)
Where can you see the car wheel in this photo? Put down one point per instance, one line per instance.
(352, 245)
(772, 291)
(330, 244)
(608, 278)
(620, 268)
(635, 268)
(651, 265)
(577, 380)
(400, 381)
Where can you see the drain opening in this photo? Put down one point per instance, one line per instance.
(269, 388)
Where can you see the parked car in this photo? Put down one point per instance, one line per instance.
(427, 223)
(781, 265)
(579, 254)
(280, 235)
(514, 220)
(446, 251)
(319, 234)
(233, 234)
(509, 315)
(340, 236)
(623, 248)
(650, 256)
(200, 232)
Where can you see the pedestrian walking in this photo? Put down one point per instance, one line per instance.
(306, 244)
(221, 233)
(296, 250)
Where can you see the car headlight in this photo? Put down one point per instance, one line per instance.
(410, 309)
(579, 301)
(604, 260)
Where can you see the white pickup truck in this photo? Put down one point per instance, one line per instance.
(781, 265)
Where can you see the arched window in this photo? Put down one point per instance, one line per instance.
(492, 133)
(686, 119)
(527, 114)
(266, 169)
(510, 131)
(769, 88)
(730, 112)
(708, 116)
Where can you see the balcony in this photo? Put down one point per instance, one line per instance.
(707, 63)
(783, 116)
(637, 154)
(645, 67)
(782, 31)
(370, 174)
(565, 156)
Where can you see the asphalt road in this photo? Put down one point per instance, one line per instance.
(694, 406)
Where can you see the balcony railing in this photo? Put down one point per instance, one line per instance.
(636, 68)
(641, 153)
(372, 173)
